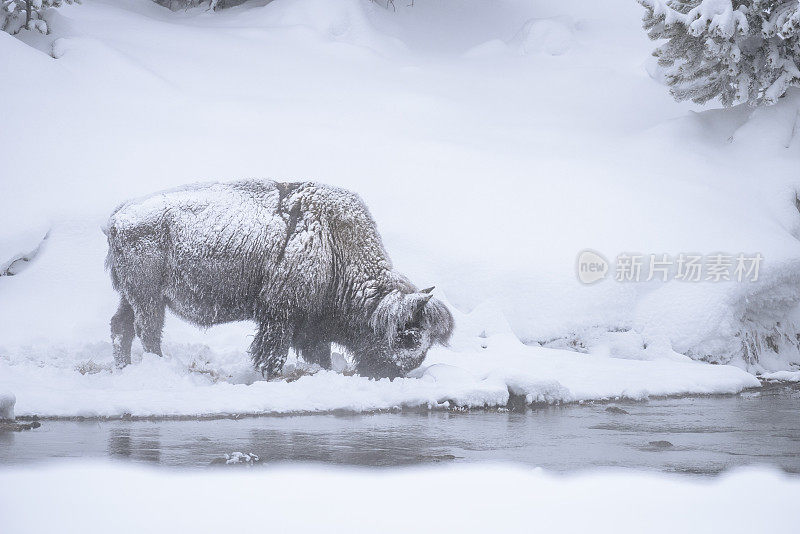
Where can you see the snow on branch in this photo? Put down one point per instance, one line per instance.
(735, 50)
(16, 15)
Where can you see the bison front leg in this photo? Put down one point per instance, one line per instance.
(270, 348)
(319, 353)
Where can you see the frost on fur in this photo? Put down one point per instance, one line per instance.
(303, 260)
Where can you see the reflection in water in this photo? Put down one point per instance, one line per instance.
(119, 442)
(134, 443)
(705, 435)
(6, 439)
(377, 447)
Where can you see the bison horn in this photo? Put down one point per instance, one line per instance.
(427, 289)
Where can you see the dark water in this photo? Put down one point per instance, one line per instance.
(698, 435)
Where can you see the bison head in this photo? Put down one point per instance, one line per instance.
(407, 324)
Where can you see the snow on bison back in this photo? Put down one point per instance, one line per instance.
(303, 260)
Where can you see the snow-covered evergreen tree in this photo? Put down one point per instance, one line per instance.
(16, 15)
(736, 50)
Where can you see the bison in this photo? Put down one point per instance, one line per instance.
(303, 260)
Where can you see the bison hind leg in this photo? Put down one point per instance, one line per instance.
(122, 333)
(270, 348)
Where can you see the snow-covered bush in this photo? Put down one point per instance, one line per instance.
(221, 4)
(28, 14)
(211, 4)
(736, 50)
(183, 4)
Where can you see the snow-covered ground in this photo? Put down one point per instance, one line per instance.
(493, 141)
(88, 498)
(195, 381)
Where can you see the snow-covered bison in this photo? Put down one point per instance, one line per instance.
(303, 260)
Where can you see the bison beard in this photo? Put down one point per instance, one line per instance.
(303, 260)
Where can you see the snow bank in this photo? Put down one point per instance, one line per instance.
(782, 376)
(501, 498)
(343, 21)
(22, 237)
(547, 36)
(481, 369)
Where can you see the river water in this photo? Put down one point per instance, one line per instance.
(697, 435)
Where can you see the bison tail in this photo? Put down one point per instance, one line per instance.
(110, 262)
(110, 268)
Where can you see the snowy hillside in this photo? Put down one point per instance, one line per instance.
(493, 141)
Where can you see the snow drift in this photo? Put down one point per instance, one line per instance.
(485, 367)
(501, 498)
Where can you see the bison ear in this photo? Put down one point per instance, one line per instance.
(427, 289)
